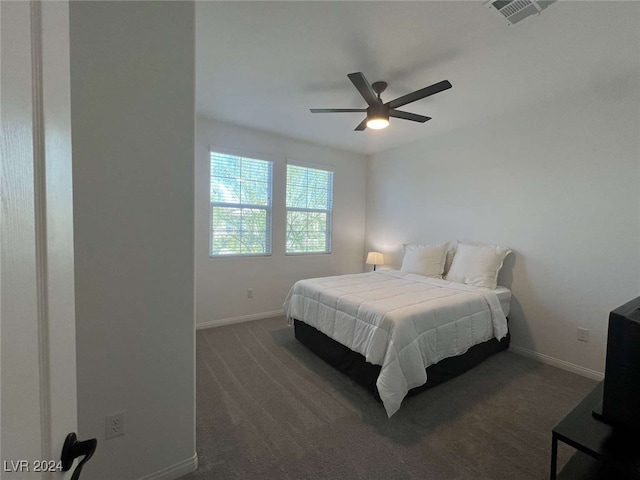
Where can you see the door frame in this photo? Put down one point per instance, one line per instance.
(39, 395)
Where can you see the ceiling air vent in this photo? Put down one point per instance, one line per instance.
(514, 11)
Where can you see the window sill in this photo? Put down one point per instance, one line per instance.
(234, 256)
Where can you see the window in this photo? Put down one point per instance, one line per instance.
(309, 210)
(240, 205)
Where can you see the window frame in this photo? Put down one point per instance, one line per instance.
(268, 208)
(327, 212)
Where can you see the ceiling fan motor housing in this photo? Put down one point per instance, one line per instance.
(378, 111)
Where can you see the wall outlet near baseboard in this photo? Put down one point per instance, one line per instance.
(249, 292)
(583, 334)
(114, 425)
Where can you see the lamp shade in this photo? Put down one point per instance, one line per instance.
(375, 258)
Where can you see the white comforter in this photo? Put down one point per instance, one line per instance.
(403, 322)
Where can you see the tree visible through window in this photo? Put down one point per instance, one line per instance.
(309, 210)
(240, 205)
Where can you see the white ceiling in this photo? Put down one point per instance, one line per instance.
(264, 64)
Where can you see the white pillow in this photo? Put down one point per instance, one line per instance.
(427, 260)
(477, 265)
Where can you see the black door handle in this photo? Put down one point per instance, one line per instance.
(73, 449)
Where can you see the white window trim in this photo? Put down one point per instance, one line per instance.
(329, 213)
(269, 208)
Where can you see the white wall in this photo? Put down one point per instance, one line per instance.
(221, 283)
(133, 116)
(556, 181)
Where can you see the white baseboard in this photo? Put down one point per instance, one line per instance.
(175, 471)
(240, 319)
(556, 362)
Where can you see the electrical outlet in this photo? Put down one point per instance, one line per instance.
(249, 292)
(114, 425)
(583, 334)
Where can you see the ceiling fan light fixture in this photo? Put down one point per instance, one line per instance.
(377, 117)
(378, 123)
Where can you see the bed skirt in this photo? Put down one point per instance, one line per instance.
(366, 374)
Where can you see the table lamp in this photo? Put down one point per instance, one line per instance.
(375, 258)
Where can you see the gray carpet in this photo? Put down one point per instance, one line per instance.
(268, 408)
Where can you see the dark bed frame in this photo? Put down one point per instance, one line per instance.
(366, 374)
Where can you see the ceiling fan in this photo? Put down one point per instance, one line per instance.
(378, 113)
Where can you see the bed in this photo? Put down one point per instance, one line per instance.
(397, 333)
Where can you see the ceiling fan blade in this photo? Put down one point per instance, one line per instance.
(419, 94)
(337, 110)
(361, 126)
(408, 116)
(364, 88)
